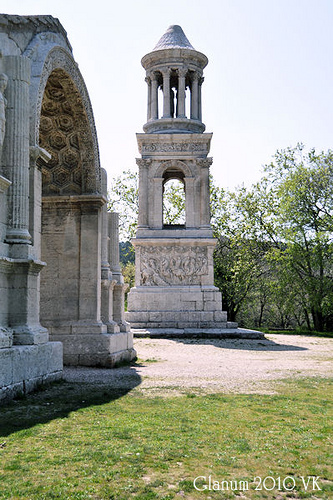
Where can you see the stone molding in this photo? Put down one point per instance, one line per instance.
(10, 265)
(4, 184)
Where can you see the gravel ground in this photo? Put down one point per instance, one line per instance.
(201, 366)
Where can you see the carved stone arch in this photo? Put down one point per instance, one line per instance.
(176, 164)
(62, 123)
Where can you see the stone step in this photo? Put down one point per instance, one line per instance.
(209, 333)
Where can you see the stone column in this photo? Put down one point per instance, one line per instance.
(156, 212)
(195, 97)
(205, 193)
(105, 257)
(154, 97)
(38, 157)
(113, 222)
(143, 191)
(148, 80)
(119, 285)
(190, 209)
(90, 262)
(166, 93)
(107, 281)
(181, 94)
(16, 147)
(200, 102)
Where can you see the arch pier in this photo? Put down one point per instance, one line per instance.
(61, 289)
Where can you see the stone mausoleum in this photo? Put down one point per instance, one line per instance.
(174, 284)
(61, 288)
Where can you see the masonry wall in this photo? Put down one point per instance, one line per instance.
(60, 278)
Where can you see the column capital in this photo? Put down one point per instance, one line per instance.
(182, 72)
(204, 162)
(148, 80)
(38, 156)
(166, 72)
(141, 162)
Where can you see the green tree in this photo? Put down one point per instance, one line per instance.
(296, 216)
(174, 202)
(123, 197)
(239, 254)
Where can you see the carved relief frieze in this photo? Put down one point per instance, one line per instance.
(174, 147)
(172, 265)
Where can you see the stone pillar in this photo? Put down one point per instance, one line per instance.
(105, 257)
(181, 94)
(205, 193)
(166, 93)
(148, 80)
(154, 97)
(113, 222)
(195, 97)
(16, 147)
(190, 209)
(119, 285)
(38, 157)
(143, 191)
(156, 212)
(106, 274)
(200, 102)
(24, 300)
(90, 262)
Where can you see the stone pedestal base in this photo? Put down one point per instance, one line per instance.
(180, 307)
(200, 333)
(24, 368)
(91, 345)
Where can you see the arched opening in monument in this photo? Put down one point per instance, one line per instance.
(68, 235)
(174, 212)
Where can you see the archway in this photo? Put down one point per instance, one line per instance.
(71, 239)
(174, 202)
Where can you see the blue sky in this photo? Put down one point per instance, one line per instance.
(268, 84)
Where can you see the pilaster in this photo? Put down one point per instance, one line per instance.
(16, 147)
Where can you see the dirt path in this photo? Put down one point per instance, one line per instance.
(216, 365)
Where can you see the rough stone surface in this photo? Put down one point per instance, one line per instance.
(24, 368)
(174, 37)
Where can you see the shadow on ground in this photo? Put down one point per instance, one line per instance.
(59, 399)
(243, 344)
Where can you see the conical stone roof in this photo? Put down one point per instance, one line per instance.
(173, 38)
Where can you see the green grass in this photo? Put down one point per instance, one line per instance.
(89, 442)
(311, 333)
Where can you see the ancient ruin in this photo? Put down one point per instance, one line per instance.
(174, 291)
(174, 287)
(61, 289)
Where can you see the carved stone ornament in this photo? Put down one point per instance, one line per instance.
(143, 162)
(172, 265)
(64, 125)
(152, 147)
(204, 162)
